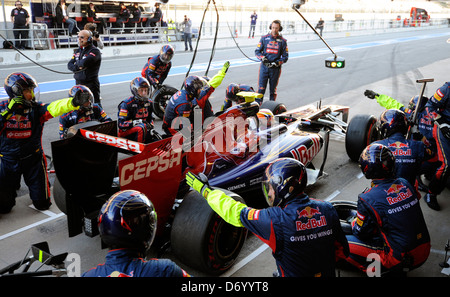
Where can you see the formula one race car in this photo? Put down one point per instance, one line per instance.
(232, 150)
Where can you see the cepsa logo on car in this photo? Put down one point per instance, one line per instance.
(113, 141)
(144, 168)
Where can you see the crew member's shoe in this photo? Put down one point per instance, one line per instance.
(431, 201)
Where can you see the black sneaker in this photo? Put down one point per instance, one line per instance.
(431, 201)
(42, 204)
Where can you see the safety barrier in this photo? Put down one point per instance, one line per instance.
(42, 38)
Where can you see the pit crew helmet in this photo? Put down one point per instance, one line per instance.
(128, 220)
(393, 121)
(377, 161)
(231, 91)
(413, 103)
(17, 82)
(193, 84)
(82, 91)
(166, 53)
(283, 179)
(138, 83)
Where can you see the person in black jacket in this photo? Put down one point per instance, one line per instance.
(85, 64)
(157, 17)
(124, 15)
(62, 16)
(91, 12)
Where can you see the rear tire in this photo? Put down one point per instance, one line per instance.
(361, 132)
(274, 107)
(203, 240)
(160, 98)
(347, 211)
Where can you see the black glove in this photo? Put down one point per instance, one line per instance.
(265, 60)
(443, 126)
(370, 94)
(80, 98)
(273, 65)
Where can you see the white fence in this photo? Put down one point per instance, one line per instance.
(43, 38)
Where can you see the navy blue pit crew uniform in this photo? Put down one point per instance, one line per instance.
(275, 50)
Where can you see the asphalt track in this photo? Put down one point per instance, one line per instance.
(387, 63)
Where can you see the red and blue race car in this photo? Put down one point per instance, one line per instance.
(232, 150)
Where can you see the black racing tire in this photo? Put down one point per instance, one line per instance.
(274, 106)
(361, 131)
(160, 98)
(59, 195)
(201, 239)
(346, 212)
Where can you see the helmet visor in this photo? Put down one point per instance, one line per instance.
(143, 93)
(166, 57)
(269, 193)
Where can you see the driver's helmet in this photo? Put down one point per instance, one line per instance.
(17, 82)
(393, 121)
(283, 179)
(140, 83)
(166, 53)
(193, 84)
(265, 118)
(82, 91)
(377, 161)
(128, 220)
(413, 103)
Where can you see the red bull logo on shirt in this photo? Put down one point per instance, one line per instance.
(312, 223)
(397, 193)
(400, 149)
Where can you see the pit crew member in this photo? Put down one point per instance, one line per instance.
(304, 234)
(409, 154)
(22, 120)
(196, 92)
(127, 225)
(272, 51)
(439, 109)
(87, 112)
(157, 67)
(389, 219)
(231, 94)
(135, 119)
(425, 126)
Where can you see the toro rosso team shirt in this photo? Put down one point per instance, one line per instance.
(155, 71)
(305, 235)
(127, 263)
(440, 102)
(273, 48)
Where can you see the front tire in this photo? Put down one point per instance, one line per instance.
(361, 132)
